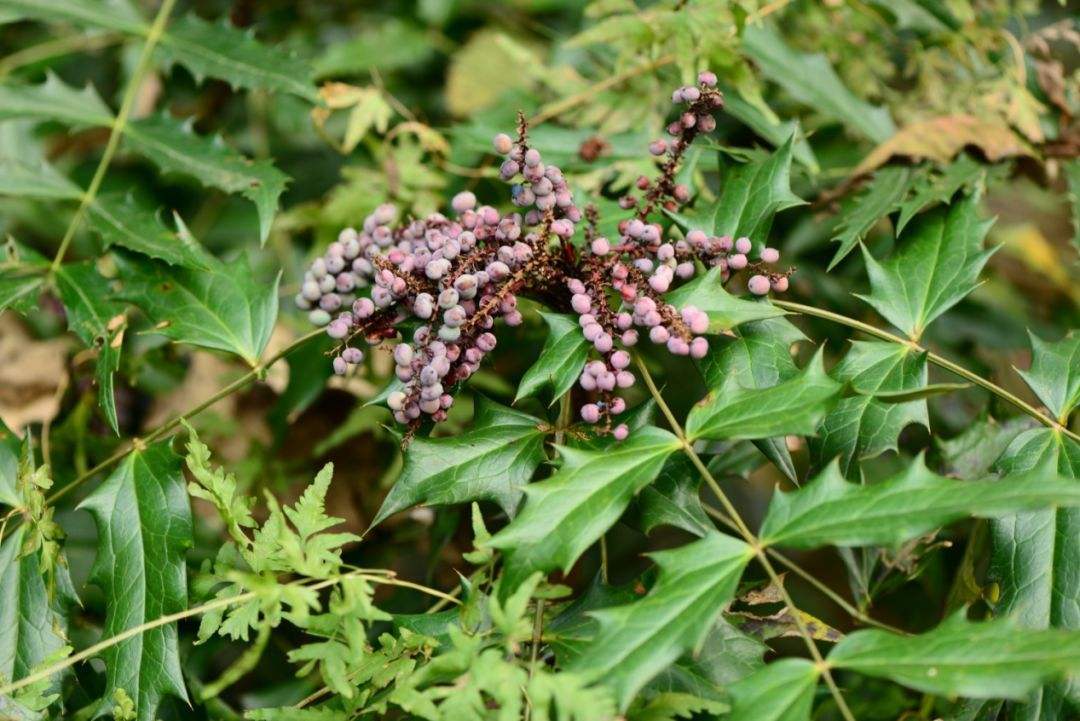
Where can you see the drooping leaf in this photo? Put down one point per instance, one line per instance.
(863, 425)
(990, 659)
(1055, 373)
(99, 323)
(638, 640)
(673, 500)
(561, 359)
(769, 126)
(121, 220)
(41, 181)
(144, 527)
(175, 148)
(492, 461)
(108, 14)
(937, 263)
(53, 100)
(972, 453)
(795, 406)
(832, 510)
(878, 200)
(568, 512)
(810, 79)
(1035, 558)
(932, 188)
(752, 193)
(223, 306)
(781, 691)
(218, 50)
(725, 311)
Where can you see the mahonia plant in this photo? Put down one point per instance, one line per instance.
(459, 275)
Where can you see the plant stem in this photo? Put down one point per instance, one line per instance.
(751, 540)
(933, 358)
(157, 29)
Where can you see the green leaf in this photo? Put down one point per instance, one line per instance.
(224, 307)
(10, 452)
(936, 264)
(99, 323)
(932, 188)
(725, 311)
(832, 510)
(492, 461)
(781, 691)
(390, 45)
(915, 394)
(107, 14)
(673, 500)
(972, 453)
(175, 148)
(218, 50)
(1035, 558)
(144, 527)
(42, 181)
(793, 407)
(53, 100)
(638, 640)
(561, 359)
(769, 126)
(32, 624)
(810, 79)
(992, 659)
(864, 425)
(1055, 373)
(888, 186)
(123, 221)
(752, 193)
(568, 512)
(19, 288)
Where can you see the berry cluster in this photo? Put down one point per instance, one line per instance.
(457, 276)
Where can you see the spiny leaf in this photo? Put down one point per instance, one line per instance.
(810, 79)
(795, 406)
(638, 640)
(673, 500)
(878, 200)
(19, 288)
(567, 513)
(781, 691)
(98, 321)
(932, 188)
(863, 425)
(991, 659)
(752, 193)
(218, 50)
(41, 181)
(1055, 373)
(121, 220)
(937, 263)
(561, 359)
(223, 306)
(52, 100)
(725, 311)
(492, 462)
(108, 14)
(175, 148)
(832, 510)
(769, 126)
(144, 527)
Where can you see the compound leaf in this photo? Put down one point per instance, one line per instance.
(1055, 373)
(122, 220)
(492, 461)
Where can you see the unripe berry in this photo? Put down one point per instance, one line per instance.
(340, 366)
(707, 78)
(620, 359)
(624, 379)
(465, 200)
(532, 157)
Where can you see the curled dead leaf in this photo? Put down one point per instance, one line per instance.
(31, 372)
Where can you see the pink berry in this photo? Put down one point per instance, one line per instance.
(736, 262)
(699, 348)
(707, 78)
(743, 245)
(758, 285)
(503, 144)
(780, 284)
(601, 246)
(590, 413)
(770, 255)
(621, 432)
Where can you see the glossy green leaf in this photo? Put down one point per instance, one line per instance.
(107, 14)
(752, 193)
(218, 50)
(225, 306)
(725, 311)
(492, 461)
(972, 453)
(1055, 373)
(98, 322)
(991, 659)
(673, 499)
(833, 511)
(1035, 559)
(123, 221)
(932, 188)
(781, 691)
(19, 289)
(561, 359)
(793, 407)
(53, 100)
(41, 181)
(810, 79)
(936, 263)
(568, 512)
(638, 640)
(857, 218)
(770, 127)
(144, 528)
(864, 425)
(175, 148)
(916, 394)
